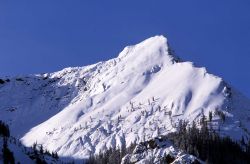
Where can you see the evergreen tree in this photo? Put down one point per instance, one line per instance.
(41, 149)
(8, 157)
(4, 129)
(210, 116)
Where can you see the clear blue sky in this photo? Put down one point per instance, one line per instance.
(48, 35)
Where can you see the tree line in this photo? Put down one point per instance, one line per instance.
(37, 153)
(208, 145)
(202, 142)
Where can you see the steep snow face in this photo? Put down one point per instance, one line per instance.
(137, 96)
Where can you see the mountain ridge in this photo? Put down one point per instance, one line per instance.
(82, 110)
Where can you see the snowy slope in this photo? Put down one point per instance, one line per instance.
(137, 96)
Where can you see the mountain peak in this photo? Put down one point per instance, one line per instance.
(154, 49)
(158, 39)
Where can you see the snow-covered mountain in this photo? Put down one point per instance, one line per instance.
(139, 95)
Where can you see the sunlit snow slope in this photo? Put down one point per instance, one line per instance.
(137, 96)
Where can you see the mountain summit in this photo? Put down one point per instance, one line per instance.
(140, 95)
